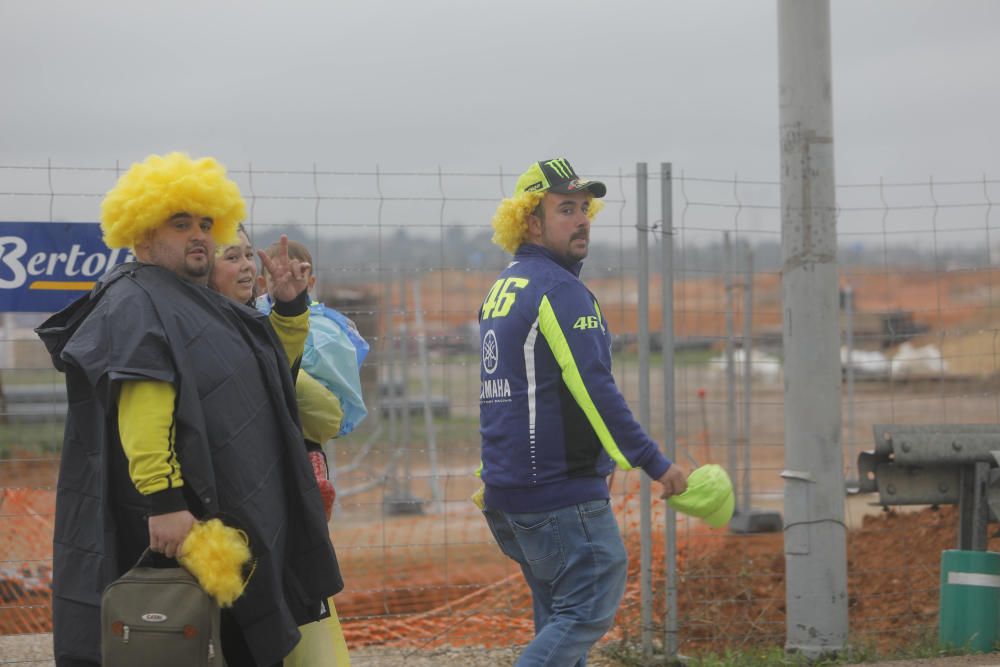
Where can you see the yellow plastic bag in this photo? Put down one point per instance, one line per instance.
(322, 644)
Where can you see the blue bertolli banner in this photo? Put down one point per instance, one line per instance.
(46, 265)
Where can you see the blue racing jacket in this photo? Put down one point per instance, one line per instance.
(553, 422)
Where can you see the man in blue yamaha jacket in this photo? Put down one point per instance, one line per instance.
(552, 420)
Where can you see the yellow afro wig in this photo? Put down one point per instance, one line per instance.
(510, 222)
(163, 185)
(216, 555)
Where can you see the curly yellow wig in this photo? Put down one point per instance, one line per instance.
(163, 185)
(510, 222)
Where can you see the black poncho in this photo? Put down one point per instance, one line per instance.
(237, 439)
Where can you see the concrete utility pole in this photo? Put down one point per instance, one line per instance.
(815, 535)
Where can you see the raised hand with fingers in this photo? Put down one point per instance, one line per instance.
(290, 277)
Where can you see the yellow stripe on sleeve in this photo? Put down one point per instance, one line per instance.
(548, 325)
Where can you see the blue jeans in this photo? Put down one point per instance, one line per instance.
(575, 563)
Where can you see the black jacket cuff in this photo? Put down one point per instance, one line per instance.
(167, 501)
(296, 306)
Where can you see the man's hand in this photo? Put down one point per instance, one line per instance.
(674, 481)
(167, 532)
(289, 277)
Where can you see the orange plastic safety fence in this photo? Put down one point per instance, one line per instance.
(438, 580)
(25, 567)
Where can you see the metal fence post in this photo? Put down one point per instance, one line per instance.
(404, 396)
(389, 397)
(645, 510)
(425, 386)
(747, 375)
(669, 396)
(730, 365)
(849, 370)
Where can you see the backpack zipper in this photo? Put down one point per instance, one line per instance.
(126, 631)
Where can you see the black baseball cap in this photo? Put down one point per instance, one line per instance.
(556, 175)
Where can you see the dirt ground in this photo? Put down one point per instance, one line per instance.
(36, 650)
(418, 585)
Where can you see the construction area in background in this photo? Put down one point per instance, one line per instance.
(413, 587)
(925, 352)
(947, 315)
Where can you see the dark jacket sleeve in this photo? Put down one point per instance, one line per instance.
(571, 322)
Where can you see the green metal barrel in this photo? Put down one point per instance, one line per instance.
(970, 600)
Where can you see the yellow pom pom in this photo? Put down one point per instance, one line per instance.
(216, 554)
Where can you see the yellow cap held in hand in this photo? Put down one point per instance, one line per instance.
(709, 496)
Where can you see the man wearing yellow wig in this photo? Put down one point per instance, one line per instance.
(553, 423)
(182, 407)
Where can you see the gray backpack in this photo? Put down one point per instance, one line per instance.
(159, 617)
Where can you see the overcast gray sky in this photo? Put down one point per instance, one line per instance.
(472, 84)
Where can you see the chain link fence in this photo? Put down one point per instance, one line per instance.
(407, 255)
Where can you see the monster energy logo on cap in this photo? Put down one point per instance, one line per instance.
(556, 175)
(561, 167)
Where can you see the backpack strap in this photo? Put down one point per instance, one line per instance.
(150, 558)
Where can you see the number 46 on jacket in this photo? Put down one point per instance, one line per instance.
(501, 297)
